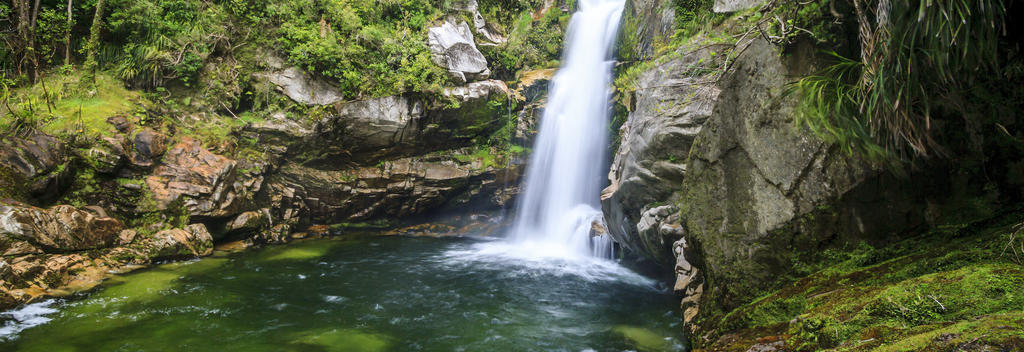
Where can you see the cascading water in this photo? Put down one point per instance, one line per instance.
(565, 172)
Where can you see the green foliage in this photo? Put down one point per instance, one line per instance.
(51, 28)
(370, 49)
(151, 42)
(934, 63)
(532, 44)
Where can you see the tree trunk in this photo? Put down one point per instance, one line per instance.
(67, 37)
(94, 38)
(32, 52)
(21, 6)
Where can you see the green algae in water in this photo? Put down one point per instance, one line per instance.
(341, 340)
(379, 294)
(644, 339)
(299, 251)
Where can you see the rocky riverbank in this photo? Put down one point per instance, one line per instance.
(162, 176)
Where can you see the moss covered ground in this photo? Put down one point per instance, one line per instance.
(957, 287)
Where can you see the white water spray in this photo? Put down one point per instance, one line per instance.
(564, 179)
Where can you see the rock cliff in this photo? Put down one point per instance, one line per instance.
(714, 177)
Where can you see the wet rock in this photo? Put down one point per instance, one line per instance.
(61, 228)
(250, 221)
(203, 180)
(33, 166)
(531, 91)
(689, 283)
(193, 240)
(597, 228)
(454, 49)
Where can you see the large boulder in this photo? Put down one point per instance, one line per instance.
(34, 166)
(299, 85)
(205, 182)
(670, 105)
(454, 49)
(62, 228)
(148, 146)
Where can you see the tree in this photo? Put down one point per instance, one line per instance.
(67, 37)
(94, 40)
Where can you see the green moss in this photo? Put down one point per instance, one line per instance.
(953, 280)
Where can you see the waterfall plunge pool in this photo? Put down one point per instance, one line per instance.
(373, 294)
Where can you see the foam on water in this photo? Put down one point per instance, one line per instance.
(30, 315)
(529, 259)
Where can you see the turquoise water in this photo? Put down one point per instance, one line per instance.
(376, 294)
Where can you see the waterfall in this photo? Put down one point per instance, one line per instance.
(565, 174)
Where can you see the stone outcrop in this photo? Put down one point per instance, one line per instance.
(715, 177)
(670, 104)
(148, 146)
(192, 241)
(203, 181)
(359, 161)
(298, 84)
(454, 49)
(646, 22)
(396, 188)
(63, 228)
(33, 166)
(531, 93)
(60, 250)
(367, 131)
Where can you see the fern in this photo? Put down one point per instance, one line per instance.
(921, 61)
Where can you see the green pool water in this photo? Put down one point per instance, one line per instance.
(376, 294)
